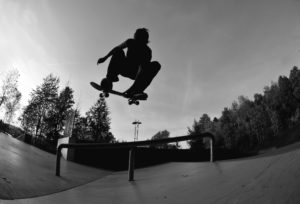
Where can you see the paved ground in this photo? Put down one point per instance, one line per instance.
(26, 171)
(270, 179)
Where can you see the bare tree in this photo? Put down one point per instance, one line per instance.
(10, 96)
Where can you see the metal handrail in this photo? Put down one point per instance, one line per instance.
(132, 146)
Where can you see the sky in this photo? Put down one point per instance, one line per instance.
(211, 52)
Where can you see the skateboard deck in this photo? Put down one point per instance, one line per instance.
(131, 100)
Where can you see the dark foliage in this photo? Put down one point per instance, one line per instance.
(3, 127)
(250, 125)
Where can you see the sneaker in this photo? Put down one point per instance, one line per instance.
(130, 93)
(106, 84)
(136, 95)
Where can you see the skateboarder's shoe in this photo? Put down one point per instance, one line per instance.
(133, 90)
(144, 78)
(106, 84)
(132, 94)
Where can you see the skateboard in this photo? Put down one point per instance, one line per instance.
(131, 100)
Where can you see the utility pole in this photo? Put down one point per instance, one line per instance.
(136, 124)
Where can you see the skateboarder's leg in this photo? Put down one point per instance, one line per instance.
(129, 71)
(115, 66)
(144, 78)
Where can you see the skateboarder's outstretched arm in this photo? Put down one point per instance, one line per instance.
(113, 51)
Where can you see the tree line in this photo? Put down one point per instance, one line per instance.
(49, 108)
(249, 125)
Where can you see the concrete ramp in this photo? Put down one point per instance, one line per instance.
(26, 171)
(274, 178)
(270, 179)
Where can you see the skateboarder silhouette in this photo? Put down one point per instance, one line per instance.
(136, 64)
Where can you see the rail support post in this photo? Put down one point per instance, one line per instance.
(211, 150)
(131, 164)
(58, 155)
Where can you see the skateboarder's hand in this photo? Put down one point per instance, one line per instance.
(101, 60)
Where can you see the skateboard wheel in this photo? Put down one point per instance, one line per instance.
(101, 95)
(137, 103)
(130, 102)
(106, 95)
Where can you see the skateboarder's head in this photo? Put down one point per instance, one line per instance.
(142, 35)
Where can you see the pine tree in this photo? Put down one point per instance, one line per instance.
(203, 125)
(98, 122)
(163, 135)
(40, 105)
(80, 130)
(58, 114)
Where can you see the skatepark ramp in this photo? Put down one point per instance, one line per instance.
(273, 177)
(132, 146)
(26, 171)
